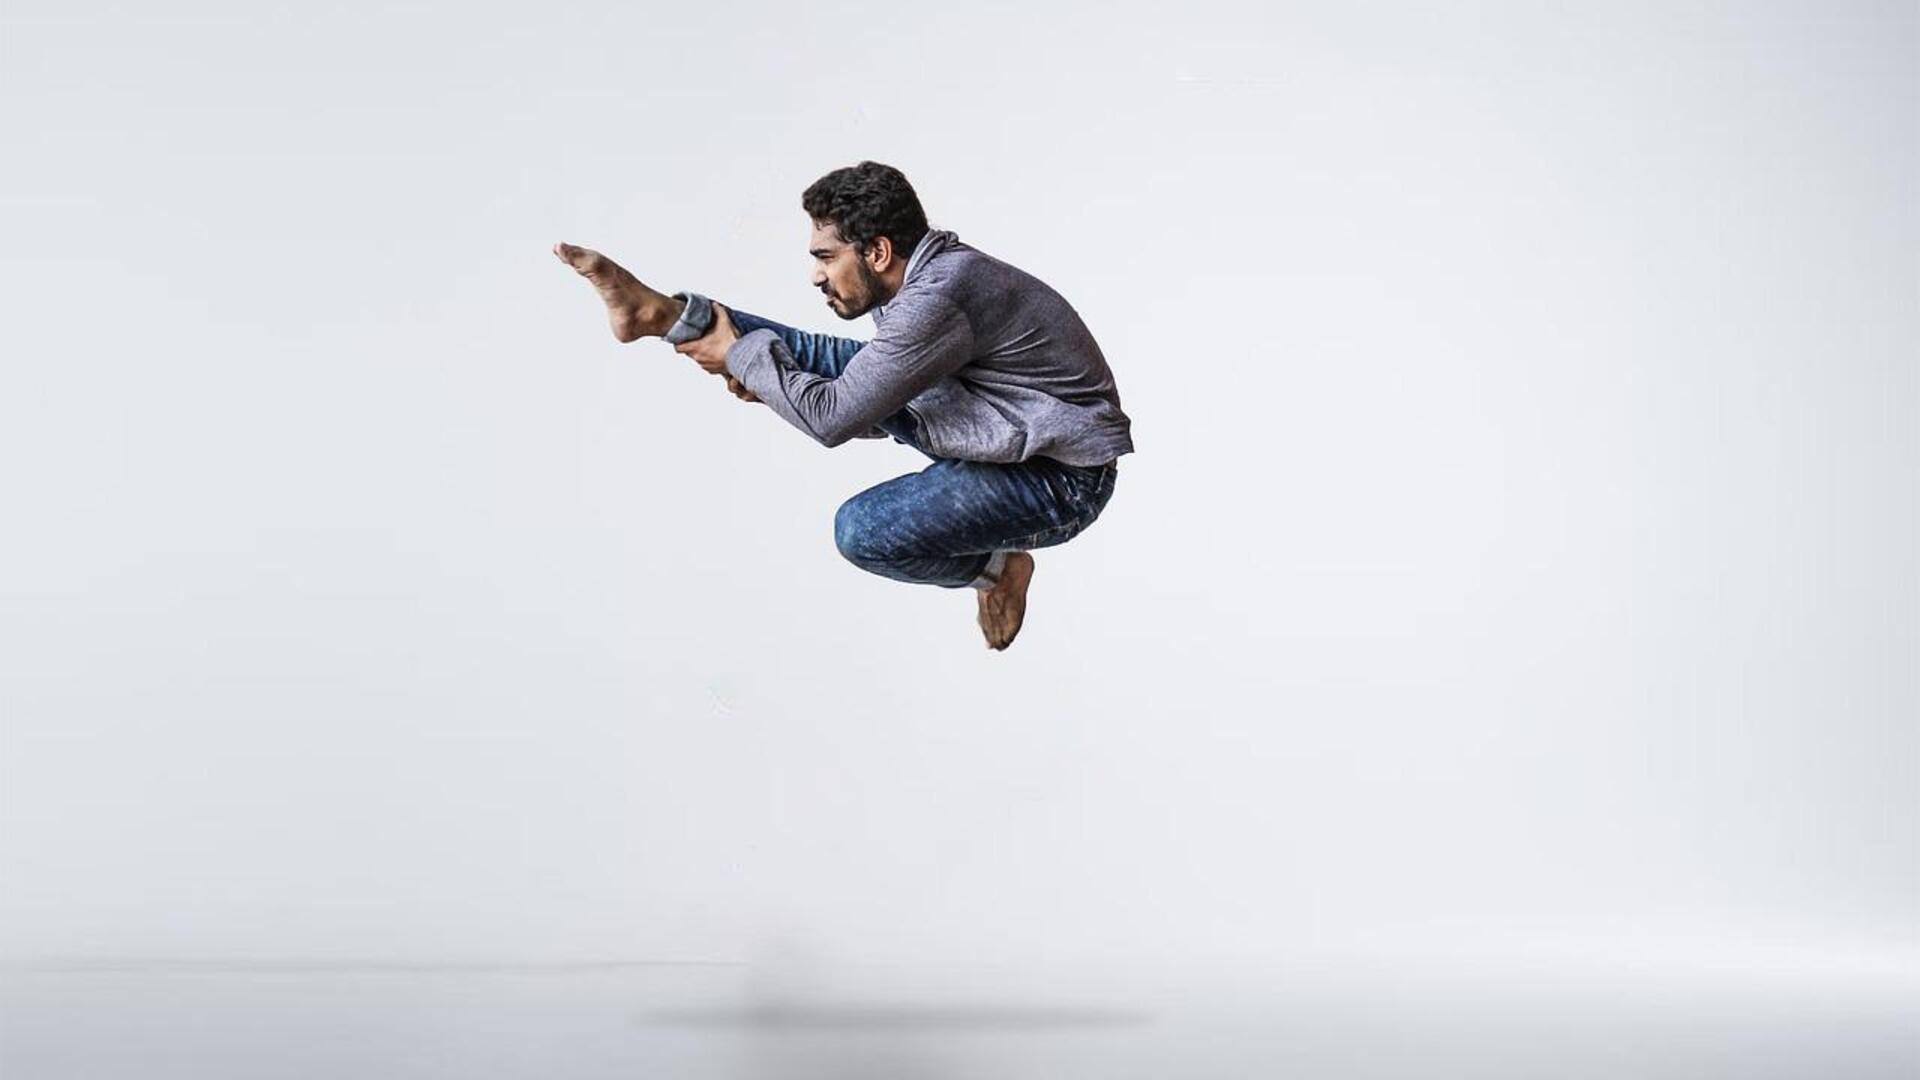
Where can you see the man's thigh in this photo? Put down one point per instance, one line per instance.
(962, 507)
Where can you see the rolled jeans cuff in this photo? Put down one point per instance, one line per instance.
(695, 319)
(990, 576)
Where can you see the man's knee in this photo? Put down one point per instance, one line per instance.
(853, 533)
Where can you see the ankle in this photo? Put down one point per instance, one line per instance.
(989, 577)
(658, 313)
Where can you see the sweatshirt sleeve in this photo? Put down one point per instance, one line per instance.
(921, 342)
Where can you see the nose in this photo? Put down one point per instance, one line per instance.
(818, 277)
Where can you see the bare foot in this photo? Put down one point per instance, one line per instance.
(1004, 607)
(634, 310)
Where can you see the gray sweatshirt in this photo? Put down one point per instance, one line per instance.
(992, 363)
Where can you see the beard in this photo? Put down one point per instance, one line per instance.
(871, 290)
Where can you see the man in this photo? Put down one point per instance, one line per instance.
(974, 363)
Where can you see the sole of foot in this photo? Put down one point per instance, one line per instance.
(1003, 608)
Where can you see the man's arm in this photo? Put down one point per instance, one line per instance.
(739, 390)
(921, 342)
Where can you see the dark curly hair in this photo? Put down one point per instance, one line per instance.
(868, 201)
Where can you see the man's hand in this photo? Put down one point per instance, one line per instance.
(710, 349)
(739, 389)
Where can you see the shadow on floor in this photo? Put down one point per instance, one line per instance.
(899, 1018)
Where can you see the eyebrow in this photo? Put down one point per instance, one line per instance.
(820, 253)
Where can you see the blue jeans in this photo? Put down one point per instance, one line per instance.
(953, 522)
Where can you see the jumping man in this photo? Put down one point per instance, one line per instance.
(976, 364)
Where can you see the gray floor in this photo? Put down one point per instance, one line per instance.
(291, 1018)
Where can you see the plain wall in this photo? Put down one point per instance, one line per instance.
(1519, 554)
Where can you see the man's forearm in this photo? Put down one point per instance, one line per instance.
(916, 347)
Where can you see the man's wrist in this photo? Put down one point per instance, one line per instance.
(745, 348)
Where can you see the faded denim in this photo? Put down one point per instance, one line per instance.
(951, 523)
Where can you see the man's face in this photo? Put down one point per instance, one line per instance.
(841, 273)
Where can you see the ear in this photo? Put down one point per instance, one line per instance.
(880, 254)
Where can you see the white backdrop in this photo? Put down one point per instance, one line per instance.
(1519, 555)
